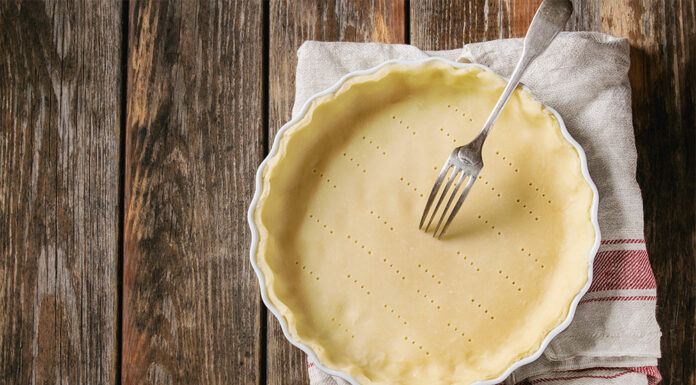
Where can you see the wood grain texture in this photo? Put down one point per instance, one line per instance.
(446, 24)
(663, 80)
(293, 22)
(663, 53)
(59, 206)
(194, 137)
(196, 129)
(290, 24)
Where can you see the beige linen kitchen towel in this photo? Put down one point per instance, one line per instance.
(614, 337)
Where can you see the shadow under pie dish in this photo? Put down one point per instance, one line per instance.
(370, 297)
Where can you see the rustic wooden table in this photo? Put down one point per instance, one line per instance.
(129, 137)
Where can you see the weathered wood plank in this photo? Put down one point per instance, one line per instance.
(663, 80)
(444, 24)
(291, 23)
(194, 137)
(59, 204)
(663, 40)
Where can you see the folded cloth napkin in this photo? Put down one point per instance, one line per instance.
(614, 337)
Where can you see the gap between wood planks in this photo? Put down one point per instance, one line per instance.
(263, 313)
(125, 25)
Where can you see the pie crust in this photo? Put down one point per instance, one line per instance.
(371, 295)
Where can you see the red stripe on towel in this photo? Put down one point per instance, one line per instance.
(622, 270)
(620, 298)
(621, 241)
(652, 373)
(540, 380)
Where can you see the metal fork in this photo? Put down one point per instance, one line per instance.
(465, 161)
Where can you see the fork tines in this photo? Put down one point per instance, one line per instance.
(464, 176)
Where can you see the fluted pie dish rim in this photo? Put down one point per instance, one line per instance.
(259, 188)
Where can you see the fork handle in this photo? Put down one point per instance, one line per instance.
(549, 19)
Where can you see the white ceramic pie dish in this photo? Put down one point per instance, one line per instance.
(274, 150)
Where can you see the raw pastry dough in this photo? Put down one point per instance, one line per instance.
(373, 296)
